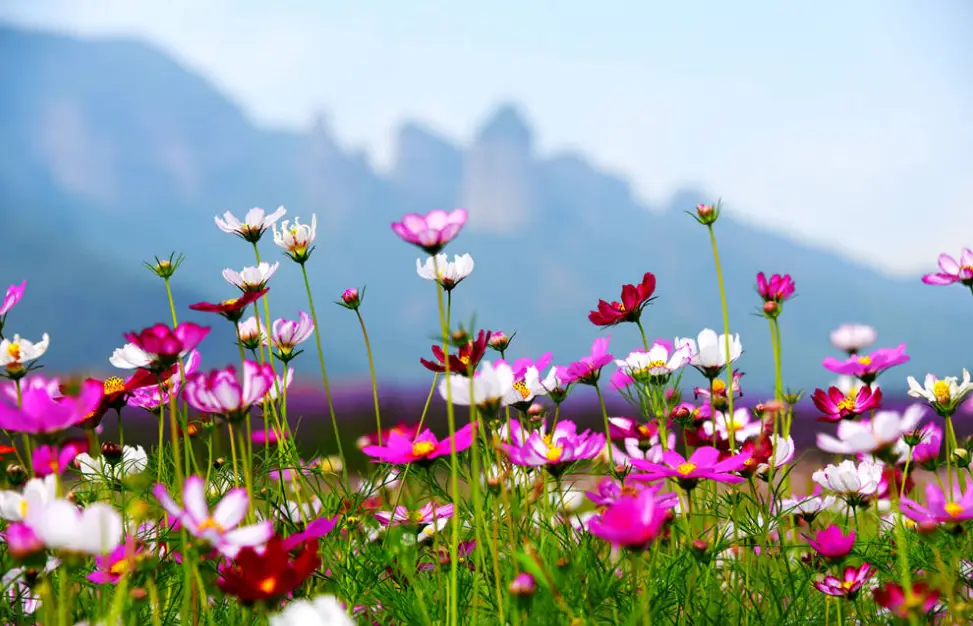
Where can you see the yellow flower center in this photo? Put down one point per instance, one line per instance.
(849, 403)
(847, 584)
(23, 509)
(719, 387)
(13, 350)
(953, 509)
(522, 389)
(464, 359)
(940, 389)
(267, 585)
(686, 468)
(620, 307)
(645, 431)
(114, 384)
(749, 462)
(229, 302)
(423, 448)
(554, 453)
(210, 524)
(120, 567)
(655, 365)
(865, 360)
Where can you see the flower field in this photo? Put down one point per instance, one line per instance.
(494, 502)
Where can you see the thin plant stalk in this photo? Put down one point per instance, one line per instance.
(371, 369)
(726, 333)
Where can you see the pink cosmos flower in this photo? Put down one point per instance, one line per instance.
(431, 231)
(56, 460)
(313, 531)
(13, 296)
(110, 568)
(849, 584)
(272, 435)
(941, 508)
(51, 385)
(163, 346)
(892, 597)
(930, 441)
(424, 448)
(704, 463)
(41, 414)
(222, 393)
(655, 365)
(836, 406)
(219, 527)
(22, 542)
(777, 289)
(429, 513)
(832, 543)
(587, 369)
(285, 335)
(608, 491)
(868, 367)
(632, 522)
(557, 449)
(952, 272)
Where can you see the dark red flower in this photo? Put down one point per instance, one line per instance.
(117, 391)
(465, 361)
(231, 309)
(920, 602)
(269, 576)
(634, 299)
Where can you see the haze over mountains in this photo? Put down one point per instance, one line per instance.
(113, 153)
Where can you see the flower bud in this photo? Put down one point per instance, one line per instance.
(219, 463)
(707, 214)
(351, 298)
(111, 451)
(771, 309)
(961, 456)
(523, 585)
(17, 474)
(499, 341)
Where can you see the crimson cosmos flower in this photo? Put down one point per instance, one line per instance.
(892, 597)
(270, 575)
(231, 309)
(836, 406)
(634, 298)
(777, 289)
(832, 543)
(468, 357)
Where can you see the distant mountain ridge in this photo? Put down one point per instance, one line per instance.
(114, 153)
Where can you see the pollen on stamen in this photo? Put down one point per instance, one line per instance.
(422, 448)
(114, 384)
(686, 468)
(522, 389)
(941, 391)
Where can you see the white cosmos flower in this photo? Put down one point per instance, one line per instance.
(874, 435)
(286, 334)
(17, 352)
(848, 479)
(251, 332)
(19, 592)
(491, 384)
(658, 361)
(849, 385)
(134, 461)
(429, 530)
(853, 337)
(15, 506)
(946, 392)
(129, 357)
(254, 224)
(450, 273)
(526, 389)
(251, 278)
(322, 611)
(784, 450)
(62, 526)
(296, 238)
(742, 424)
(807, 506)
(709, 349)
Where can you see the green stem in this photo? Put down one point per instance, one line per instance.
(453, 463)
(726, 334)
(371, 369)
(608, 434)
(324, 374)
(645, 341)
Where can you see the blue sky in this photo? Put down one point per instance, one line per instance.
(845, 123)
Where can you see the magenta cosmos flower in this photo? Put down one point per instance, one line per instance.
(556, 450)
(56, 459)
(424, 448)
(163, 346)
(704, 463)
(587, 369)
(220, 391)
(431, 231)
(836, 406)
(849, 584)
(40, 414)
(775, 289)
(632, 522)
(13, 296)
(109, 568)
(867, 367)
(951, 271)
(219, 527)
(832, 543)
(940, 508)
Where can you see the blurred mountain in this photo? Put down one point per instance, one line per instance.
(114, 153)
